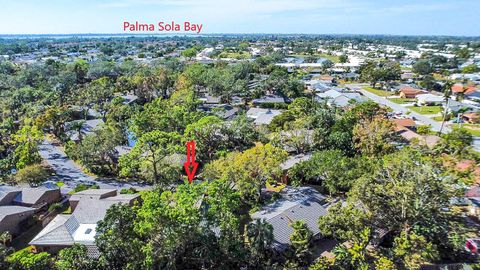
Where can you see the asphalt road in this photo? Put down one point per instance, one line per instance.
(398, 108)
(70, 173)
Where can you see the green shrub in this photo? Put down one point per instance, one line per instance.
(128, 191)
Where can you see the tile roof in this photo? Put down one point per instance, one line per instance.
(460, 88)
(405, 122)
(410, 90)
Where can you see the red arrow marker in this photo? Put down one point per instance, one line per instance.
(190, 166)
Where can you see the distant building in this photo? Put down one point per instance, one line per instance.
(224, 111)
(472, 118)
(408, 123)
(88, 127)
(262, 116)
(410, 92)
(340, 99)
(129, 99)
(89, 207)
(429, 100)
(268, 99)
(209, 99)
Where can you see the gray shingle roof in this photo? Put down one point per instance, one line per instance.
(266, 118)
(58, 232)
(14, 209)
(32, 195)
(91, 208)
(303, 203)
(269, 99)
(7, 194)
(291, 161)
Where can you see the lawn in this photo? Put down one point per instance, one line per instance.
(438, 118)
(378, 92)
(402, 100)
(333, 58)
(330, 57)
(472, 129)
(426, 109)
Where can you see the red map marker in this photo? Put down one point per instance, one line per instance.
(190, 166)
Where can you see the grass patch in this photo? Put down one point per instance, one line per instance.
(378, 92)
(402, 100)
(473, 129)
(235, 55)
(426, 109)
(333, 58)
(438, 118)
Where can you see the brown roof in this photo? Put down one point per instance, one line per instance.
(471, 115)
(465, 165)
(326, 77)
(405, 122)
(460, 88)
(408, 90)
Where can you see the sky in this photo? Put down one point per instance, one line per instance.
(394, 17)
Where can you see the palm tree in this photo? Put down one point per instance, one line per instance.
(5, 237)
(258, 237)
(78, 127)
(447, 93)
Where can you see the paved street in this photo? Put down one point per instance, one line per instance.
(70, 173)
(398, 108)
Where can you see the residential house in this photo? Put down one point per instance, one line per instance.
(410, 136)
(407, 76)
(303, 203)
(129, 99)
(31, 197)
(269, 99)
(224, 111)
(14, 217)
(472, 118)
(340, 99)
(209, 99)
(469, 92)
(410, 92)
(407, 122)
(292, 161)
(37, 197)
(7, 194)
(88, 127)
(18, 206)
(262, 116)
(88, 207)
(429, 100)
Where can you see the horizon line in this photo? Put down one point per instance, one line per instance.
(207, 34)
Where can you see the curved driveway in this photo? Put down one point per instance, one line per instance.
(71, 174)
